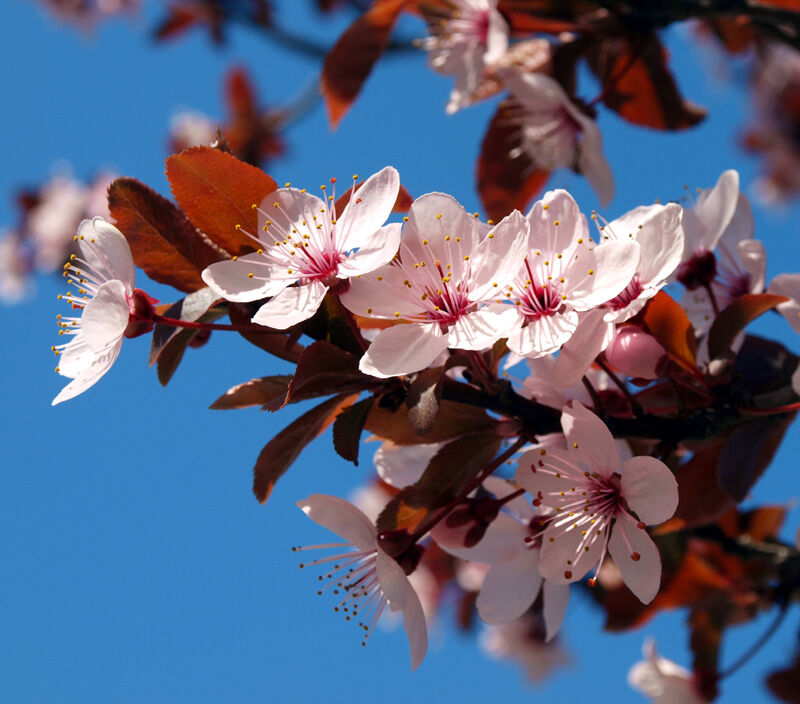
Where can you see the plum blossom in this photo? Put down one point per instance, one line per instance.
(103, 274)
(602, 506)
(510, 546)
(662, 680)
(563, 273)
(739, 266)
(555, 133)
(448, 264)
(788, 285)
(466, 36)
(368, 576)
(522, 640)
(301, 240)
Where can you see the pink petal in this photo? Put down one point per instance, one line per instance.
(530, 476)
(231, 278)
(403, 349)
(589, 440)
(661, 239)
(711, 214)
(100, 363)
(106, 251)
(373, 253)
(509, 588)
(403, 465)
(649, 488)
(636, 556)
(591, 162)
(381, 294)
(565, 555)
(496, 37)
(367, 209)
(342, 518)
(499, 255)
(612, 264)
(75, 357)
(754, 261)
(556, 222)
(438, 219)
(542, 336)
(788, 285)
(502, 541)
(577, 354)
(555, 598)
(402, 597)
(106, 316)
(291, 306)
(482, 328)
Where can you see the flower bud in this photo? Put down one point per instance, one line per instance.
(635, 353)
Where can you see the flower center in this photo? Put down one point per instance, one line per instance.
(629, 294)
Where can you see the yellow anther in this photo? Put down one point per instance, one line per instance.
(491, 235)
(555, 222)
(380, 277)
(250, 276)
(396, 314)
(591, 272)
(438, 216)
(237, 226)
(466, 257)
(369, 310)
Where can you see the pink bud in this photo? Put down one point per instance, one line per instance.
(635, 353)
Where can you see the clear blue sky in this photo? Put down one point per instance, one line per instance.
(136, 564)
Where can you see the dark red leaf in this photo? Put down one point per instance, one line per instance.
(164, 243)
(731, 321)
(701, 498)
(638, 85)
(171, 354)
(279, 453)
(453, 419)
(668, 323)
(218, 192)
(192, 307)
(347, 429)
(276, 342)
(350, 61)
(256, 392)
(785, 683)
(507, 178)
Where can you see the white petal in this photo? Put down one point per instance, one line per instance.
(788, 285)
(642, 575)
(577, 354)
(557, 223)
(498, 256)
(649, 488)
(402, 597)
(565, 555)
(714, 209)
(367, 209)
(106, 251)
(106, 316)
(403, 465)
(612, 264)
(342, 518)
(403, 349)
(510, 588)
(555, 598)
(482, 328)
(101, 362)
(754, 262)
(544, 335)
(496, 37)
(661, 239)
(502, 541)
(75, 357)
(589, 440)
(591, 162)
(231, 278)
(291, 306)
(376, 251)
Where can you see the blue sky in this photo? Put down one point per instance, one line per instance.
(136, 563)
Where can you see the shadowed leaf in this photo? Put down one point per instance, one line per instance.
(190, 308)
(347, 429)
(217, 192)
(507, 177)
(731, 321)
(164, 243)
(350, 61)
(668, 323)
(276, 342)
(279, 453)
(256, 392)
(639, 87)
(171, 354)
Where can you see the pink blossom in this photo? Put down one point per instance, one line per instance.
(301, 241)
(447, 266)
(563, 274)
(662, 680)
(103, 274)
(555, 132)
(788, 285)
(510, 546)
(368, 576)
(465, 37)
(51, 222)
(602, 506)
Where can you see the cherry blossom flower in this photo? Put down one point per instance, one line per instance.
(103, 273)
(447, 266)
(14, 268)
(510, 546)
(602, 506)
(563, 273)
(301, 240)
(740, 264)
(662, 680)
(788, 285)
(189, 128)
(51, 222)
(466, 36)
(522, 640)
(403, 465)
(555, 132)
(368, 576)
